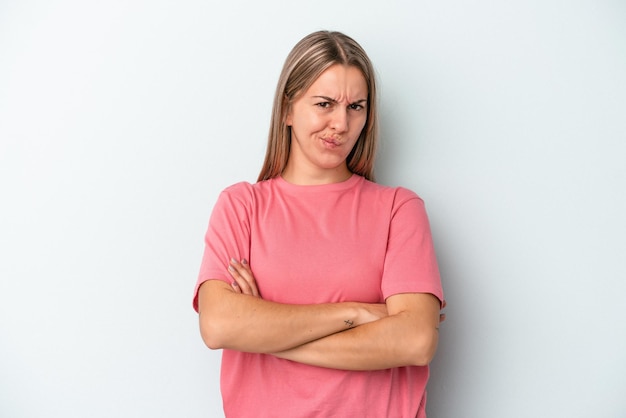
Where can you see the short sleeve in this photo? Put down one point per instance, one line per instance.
(410, 261)
(227, 236)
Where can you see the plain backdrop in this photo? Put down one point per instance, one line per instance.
(121, 121)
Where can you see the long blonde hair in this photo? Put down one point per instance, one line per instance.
(305, 63)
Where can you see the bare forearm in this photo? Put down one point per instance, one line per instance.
(246, 323)
(369, 347)
(406, 338)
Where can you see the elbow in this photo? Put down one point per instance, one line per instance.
(424, 347)
(211, 332)
(214, 323)
(211, 342)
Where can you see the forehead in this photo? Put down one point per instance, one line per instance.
(340, 80)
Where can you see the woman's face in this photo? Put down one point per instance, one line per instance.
(326, 121)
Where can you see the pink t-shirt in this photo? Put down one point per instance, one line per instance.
(350, 241)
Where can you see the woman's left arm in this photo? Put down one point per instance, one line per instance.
(407, 337)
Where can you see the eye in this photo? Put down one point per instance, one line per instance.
(356, 106)
(323, 105)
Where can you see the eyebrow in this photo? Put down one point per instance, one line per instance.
(328, 99)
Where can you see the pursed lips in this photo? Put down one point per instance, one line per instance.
(332, 141)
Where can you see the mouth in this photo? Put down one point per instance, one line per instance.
(331, 142)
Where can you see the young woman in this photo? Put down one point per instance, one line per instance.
(321, 286)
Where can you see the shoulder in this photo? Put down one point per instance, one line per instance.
(397, 195)
(238, 189)
(247, 193)
(245, 188)
(236, 195)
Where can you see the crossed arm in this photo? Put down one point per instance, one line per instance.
(346, 335)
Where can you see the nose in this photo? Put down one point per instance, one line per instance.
(339, 122)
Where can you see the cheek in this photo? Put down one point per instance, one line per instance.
(310, 122)
(359, 124)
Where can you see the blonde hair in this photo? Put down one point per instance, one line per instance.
(313, 55)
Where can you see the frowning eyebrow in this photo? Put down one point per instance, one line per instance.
(331, 100)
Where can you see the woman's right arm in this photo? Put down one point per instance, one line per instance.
(242, 322)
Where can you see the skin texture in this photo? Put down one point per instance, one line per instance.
(405, 332)
(236, 320)
(326, 121)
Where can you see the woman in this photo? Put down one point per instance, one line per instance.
(321, 286)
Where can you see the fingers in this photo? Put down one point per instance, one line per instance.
(442, 316)
(243, 280)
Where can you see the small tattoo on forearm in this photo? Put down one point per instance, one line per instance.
(348, 322)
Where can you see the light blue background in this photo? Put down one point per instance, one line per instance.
(121, 121)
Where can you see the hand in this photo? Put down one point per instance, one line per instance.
(442, 316)
(243, 280)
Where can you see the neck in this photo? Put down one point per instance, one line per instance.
(316, 177)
